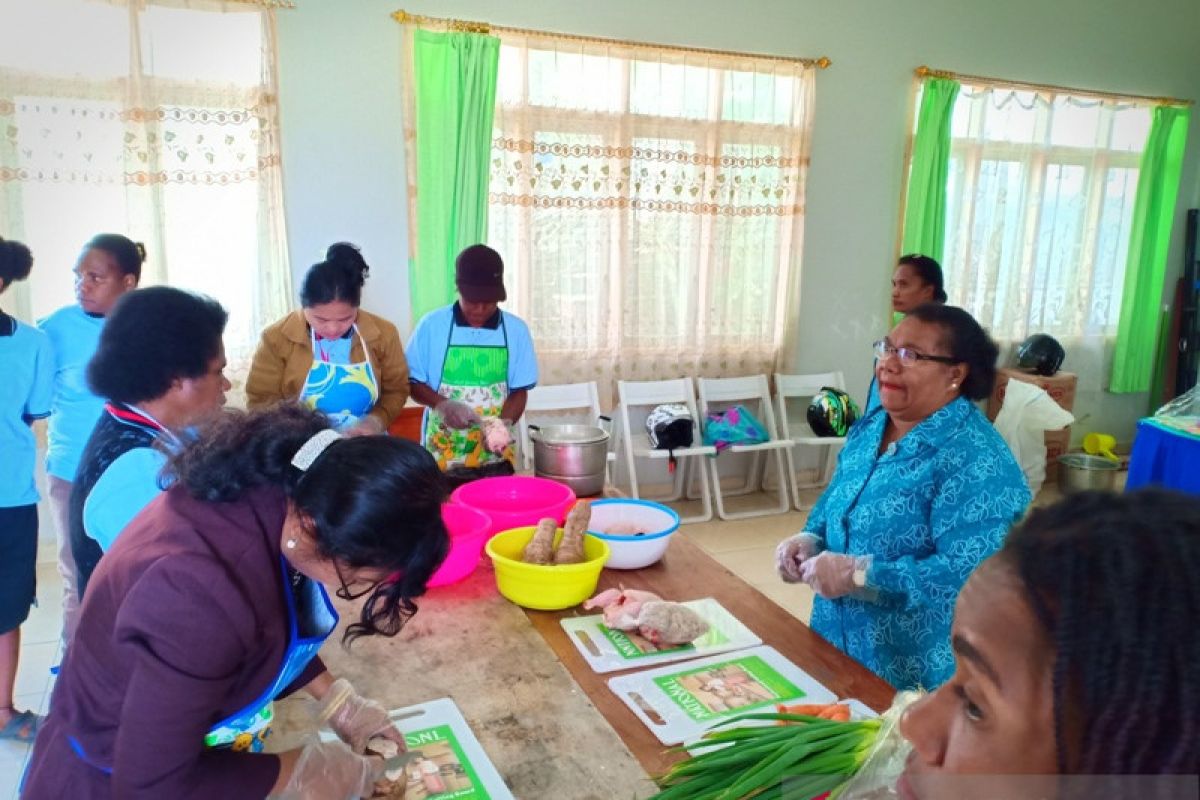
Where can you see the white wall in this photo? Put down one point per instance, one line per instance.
(343, 154)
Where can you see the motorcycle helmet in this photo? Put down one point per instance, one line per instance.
(1041, 354)
(832, 412)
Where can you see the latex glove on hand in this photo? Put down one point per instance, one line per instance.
(354, 718)
(329, 769)
(457, 414)
(831, 575)
(793, 552)
(366, 426)
(497, 435)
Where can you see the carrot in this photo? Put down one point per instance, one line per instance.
(837, 712)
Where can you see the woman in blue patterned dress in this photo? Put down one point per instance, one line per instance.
(924, 491)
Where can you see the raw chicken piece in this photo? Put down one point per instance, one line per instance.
(393, 784)
(496, 436)
(621, 606)
(659, 621)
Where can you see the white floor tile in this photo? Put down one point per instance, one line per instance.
(33, 667)
(12, 767)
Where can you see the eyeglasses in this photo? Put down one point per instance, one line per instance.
(344, 591)
(908, 357)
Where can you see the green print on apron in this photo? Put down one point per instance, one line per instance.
(477, 376)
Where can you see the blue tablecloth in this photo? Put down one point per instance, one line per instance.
(1165, 457)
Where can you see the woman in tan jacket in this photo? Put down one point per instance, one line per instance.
(331, 355)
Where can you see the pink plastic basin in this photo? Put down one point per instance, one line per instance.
(469, 530)
(517, 501)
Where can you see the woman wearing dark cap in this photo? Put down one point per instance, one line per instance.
(25, 394)
(331, 355)
(473, 365)
(213, 602)
(109, 266)
(155, 388)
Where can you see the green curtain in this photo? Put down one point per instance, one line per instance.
(455, 100)
(925, 203)
(1149, 238)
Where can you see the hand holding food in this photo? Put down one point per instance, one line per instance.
(392, 784)
(330, 769)
(356, 719)
(831, 575)
(793, 552)
(496, 435)
(457, 414)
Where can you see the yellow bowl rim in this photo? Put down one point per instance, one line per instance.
(590, 564)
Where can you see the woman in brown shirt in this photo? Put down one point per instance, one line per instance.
(212, 603)
(331, 355)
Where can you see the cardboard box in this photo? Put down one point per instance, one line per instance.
(1060, 387)
(1057, 443)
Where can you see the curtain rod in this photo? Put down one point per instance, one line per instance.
(465, 26)
(926, 72)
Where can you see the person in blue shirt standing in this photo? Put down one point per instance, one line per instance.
(109, 266)
(28, 365)
(472, 365)
(924, 491)
(156, 387)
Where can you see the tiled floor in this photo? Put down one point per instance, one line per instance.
(746, 547)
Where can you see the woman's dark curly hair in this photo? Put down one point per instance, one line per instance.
(1113, 581)
(374, 501)
(15, 262)
(967, 342)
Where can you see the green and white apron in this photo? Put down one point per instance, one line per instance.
(478, 376)
(343, 392)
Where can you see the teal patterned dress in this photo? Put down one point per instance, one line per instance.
(928, 510)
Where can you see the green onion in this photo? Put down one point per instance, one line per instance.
(808, 756)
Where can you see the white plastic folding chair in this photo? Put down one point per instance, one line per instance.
(802, 388)
(553, 404)
(719, 394)
(636, 400)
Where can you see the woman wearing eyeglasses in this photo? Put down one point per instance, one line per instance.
(212, 603)
(924, 491)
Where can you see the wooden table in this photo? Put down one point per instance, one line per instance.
(688, 573)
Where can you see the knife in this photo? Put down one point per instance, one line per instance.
(400, 761)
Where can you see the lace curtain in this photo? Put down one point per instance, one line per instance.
(1039, 205)
(649, 204)
(154, 119)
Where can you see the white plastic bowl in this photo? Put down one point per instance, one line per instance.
(633, 551)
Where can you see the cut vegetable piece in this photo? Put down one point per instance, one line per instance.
(540, 549)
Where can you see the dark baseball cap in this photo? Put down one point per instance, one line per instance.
(479, 275)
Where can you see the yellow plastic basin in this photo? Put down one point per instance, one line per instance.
(548, 588)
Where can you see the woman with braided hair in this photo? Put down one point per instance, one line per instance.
(1077, 656)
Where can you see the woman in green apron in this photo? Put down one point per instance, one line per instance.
(212, 603)
(472, 365)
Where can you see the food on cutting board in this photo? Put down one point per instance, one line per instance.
(392, 786)
(570, 549)
(495, 434)
(541, 550)
(838, 712)
(809, 757)
(659, 621)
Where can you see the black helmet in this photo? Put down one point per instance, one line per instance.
(1041, 354)
(831, 412)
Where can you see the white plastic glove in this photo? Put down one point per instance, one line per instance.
(497, 435)
(831, 575)
(794, 551)
(457, 414)
(328, 770)
(366, 426)
(354, 718)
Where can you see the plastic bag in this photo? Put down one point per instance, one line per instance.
(736, 425)
(876, 779)
(1027, 413)
(1187, 405)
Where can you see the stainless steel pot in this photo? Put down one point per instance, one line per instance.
(576, 455)
(1080, 473)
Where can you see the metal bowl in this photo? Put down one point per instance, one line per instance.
(1081, 473)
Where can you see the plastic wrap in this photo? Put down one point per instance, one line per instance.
(876, 779)
(1186, 406)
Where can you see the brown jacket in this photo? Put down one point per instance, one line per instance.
(284, 357)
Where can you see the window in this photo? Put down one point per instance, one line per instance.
(117, 117)
(1039, 205)
(648, 204)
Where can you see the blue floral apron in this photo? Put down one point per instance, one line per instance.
(308, 629)
(343, 392)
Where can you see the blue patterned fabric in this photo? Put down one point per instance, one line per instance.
(928, 511)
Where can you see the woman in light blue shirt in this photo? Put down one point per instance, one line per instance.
(109, 266)
(156, 388)
(28, 367)
(924, 491)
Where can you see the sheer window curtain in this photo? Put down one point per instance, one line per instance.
(651, 223)
(157, 119)
(1039, 206)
